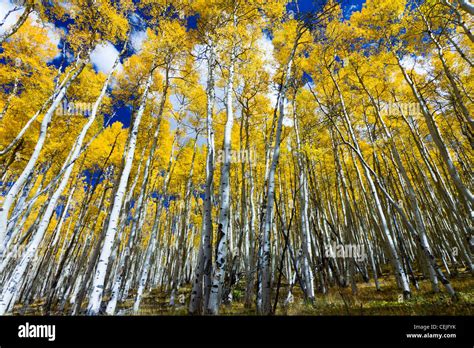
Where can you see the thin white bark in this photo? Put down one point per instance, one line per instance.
(99, 278)
(202, 272)
(15, 189)
(224, 218)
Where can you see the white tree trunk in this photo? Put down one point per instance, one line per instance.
(467, 6)
(14, 28)
(204, 264)
(438, 140)
(44, 222)
(395, 258)
(264, 304)
(304, 216)
(15, 189)
(223, 227)
(99, 277)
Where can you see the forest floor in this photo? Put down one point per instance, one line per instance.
(338, 301)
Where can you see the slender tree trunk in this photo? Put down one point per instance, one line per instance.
(202, 276)
(265, 307)
(438, 140)
(14, 28)
(99, 278)
(224, 218)
(13, 192)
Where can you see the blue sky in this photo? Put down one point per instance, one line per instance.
(348, 6)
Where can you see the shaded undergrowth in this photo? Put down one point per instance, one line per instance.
(337, 301)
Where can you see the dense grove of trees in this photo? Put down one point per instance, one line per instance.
(263, 138)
